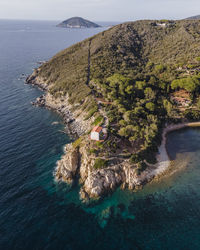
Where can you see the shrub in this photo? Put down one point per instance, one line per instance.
(98, 120)
(149, 154)
(91, 112)
(100, 163)
(190, 84)
(99, 144)
(77, 143)
(141, 166)
(159, 68)
(193, 115)
(93, 151)
(135, 158)
(150, 106)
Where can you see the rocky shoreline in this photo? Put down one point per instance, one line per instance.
(74, 125)
(71, 127)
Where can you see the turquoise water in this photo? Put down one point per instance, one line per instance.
(38, 213)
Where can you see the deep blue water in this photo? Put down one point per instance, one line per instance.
(36, 212)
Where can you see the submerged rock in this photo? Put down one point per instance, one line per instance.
(40, 101)
(104, 216)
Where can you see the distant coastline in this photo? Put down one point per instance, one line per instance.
(78, 23)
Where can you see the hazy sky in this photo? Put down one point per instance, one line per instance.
(98, 10)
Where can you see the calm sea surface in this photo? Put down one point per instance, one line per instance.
(36, 212)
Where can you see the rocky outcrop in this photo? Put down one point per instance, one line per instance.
(76, 163)
(79, 164)
(35, 80)
(40, 101)
(67, 167)
(96, 183)
(101, 182)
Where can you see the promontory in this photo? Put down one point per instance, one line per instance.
(120, 92)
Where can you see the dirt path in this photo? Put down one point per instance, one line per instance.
(89, 57)
(103, 113)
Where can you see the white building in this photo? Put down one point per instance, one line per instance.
(97, 134)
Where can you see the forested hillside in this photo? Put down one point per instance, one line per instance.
(139, 68)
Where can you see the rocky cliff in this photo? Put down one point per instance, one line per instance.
(78, 163)
(67, 167)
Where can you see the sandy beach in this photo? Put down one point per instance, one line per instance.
(163, 160)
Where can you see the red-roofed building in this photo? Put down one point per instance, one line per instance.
(97, 134)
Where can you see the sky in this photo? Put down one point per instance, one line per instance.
(98, 10)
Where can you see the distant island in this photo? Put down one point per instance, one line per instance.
(78, 22)
(120, 92)
(193, 17)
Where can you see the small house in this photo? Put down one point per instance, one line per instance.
(162, 24)
(97, 134)
(181, 98)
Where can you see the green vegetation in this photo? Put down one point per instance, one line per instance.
(136, 68)
(141, 166)
(191, 84)
(77, 143)
(160, 68)
(164, 21)
(100, 163)
(128, 49)
(99, 144)
(92, 111)
(192, 115)
(92, 151)
(98, 120)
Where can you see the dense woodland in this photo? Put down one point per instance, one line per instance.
(136, 67)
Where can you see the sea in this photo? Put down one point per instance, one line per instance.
(38, 213)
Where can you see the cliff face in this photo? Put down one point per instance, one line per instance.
(67, 167)
(97, 182)
(78, 164)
